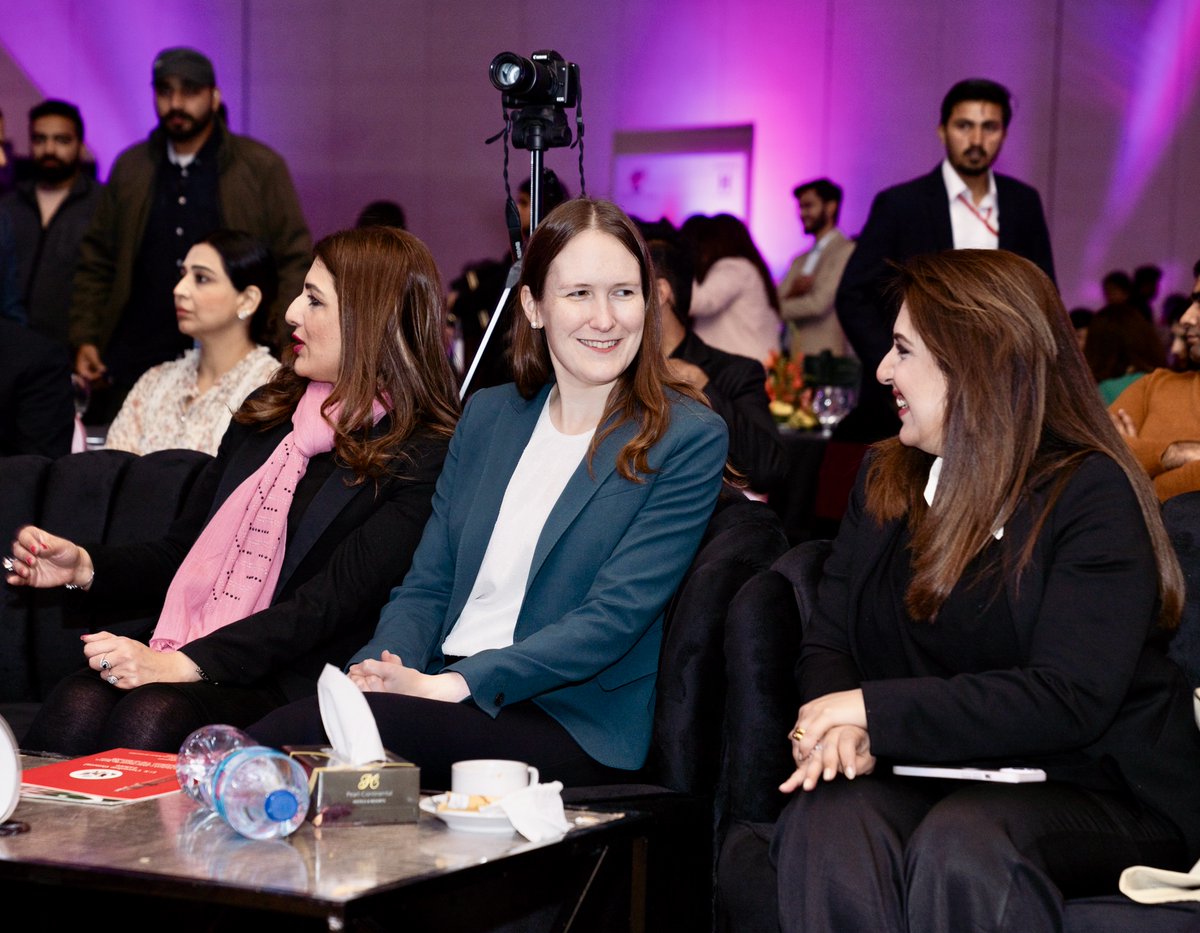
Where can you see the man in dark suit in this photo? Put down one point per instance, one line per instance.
(961, 204)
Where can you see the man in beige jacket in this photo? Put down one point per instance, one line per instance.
(807, 291)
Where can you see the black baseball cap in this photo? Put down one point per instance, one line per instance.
(185, 64)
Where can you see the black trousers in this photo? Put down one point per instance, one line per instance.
(434, 735)
(913, 854)
(83, 714)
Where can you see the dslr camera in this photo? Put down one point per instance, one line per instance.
(545, 79)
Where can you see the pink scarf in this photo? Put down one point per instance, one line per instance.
(231, 570)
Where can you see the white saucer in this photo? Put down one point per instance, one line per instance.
(466, 820)
(10, 771)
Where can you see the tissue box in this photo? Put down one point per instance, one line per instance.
(340, 794)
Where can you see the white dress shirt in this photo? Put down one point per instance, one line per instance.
(972, 229)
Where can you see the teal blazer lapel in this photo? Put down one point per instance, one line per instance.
(578, 492)
(497, 463)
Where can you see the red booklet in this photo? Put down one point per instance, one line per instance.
(117, 776)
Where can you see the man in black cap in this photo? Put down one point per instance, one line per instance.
(191, 176)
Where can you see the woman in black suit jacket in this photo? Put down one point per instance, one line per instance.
(346, 442)
(997, 596)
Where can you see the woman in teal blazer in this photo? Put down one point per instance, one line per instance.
(562, 673)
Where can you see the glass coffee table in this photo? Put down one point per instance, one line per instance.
(169, 861)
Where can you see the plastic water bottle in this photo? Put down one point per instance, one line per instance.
(260, 792)
(199, 756)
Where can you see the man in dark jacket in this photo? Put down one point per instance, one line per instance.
(961, 204)
(191, 176)
(48, 215)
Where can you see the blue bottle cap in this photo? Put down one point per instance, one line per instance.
(281, 805)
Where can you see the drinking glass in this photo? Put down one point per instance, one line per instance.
(831, 404)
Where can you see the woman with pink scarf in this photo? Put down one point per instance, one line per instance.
(294, 535)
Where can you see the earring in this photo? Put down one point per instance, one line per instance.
(535, 324)
(245, 314)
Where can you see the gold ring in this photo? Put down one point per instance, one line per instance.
(798, 734)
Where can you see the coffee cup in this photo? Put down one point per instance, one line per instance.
(491, 777)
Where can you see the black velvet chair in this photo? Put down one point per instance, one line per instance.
(762, 641)
(679, 785)
(761, 707)
(108, 497)
(1181, 515)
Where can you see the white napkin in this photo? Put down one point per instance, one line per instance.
(348, 719)
(1148, 885)
(1159, 886)
(536, 811)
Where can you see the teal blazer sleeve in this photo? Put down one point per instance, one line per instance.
(608, 559)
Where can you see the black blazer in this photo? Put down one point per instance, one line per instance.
(736, 390)
(913, 219)
(344, 553)
(1094, 700)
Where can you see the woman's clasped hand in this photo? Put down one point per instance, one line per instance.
(830, 738)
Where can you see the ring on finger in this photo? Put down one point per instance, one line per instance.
(797, 733)
(8, 564)
(817, 747)
(104, 665)
(112, 679)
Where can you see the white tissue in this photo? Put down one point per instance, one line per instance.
(348, 719)
(1159, 886)
(536, 811)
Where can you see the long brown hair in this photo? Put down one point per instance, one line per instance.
(391, 320)
(1034, 420)
(639, 394)
(723, 236)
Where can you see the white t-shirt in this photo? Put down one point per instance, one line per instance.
(489, 616)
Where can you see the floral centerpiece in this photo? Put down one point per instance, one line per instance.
(791, 401)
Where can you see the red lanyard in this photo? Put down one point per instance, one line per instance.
(966, 199)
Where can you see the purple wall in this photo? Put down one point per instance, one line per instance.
(391, 99)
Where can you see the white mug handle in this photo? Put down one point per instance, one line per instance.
(533, 775)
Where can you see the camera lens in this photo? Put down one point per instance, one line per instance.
(508, 74)
(512, 72)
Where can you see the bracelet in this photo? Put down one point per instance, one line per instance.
(200, 673)
(76, 586)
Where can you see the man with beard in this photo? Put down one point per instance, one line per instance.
(190, 177)
(1159, 415)
(806, 292)
(48, 215)
(961, 204)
